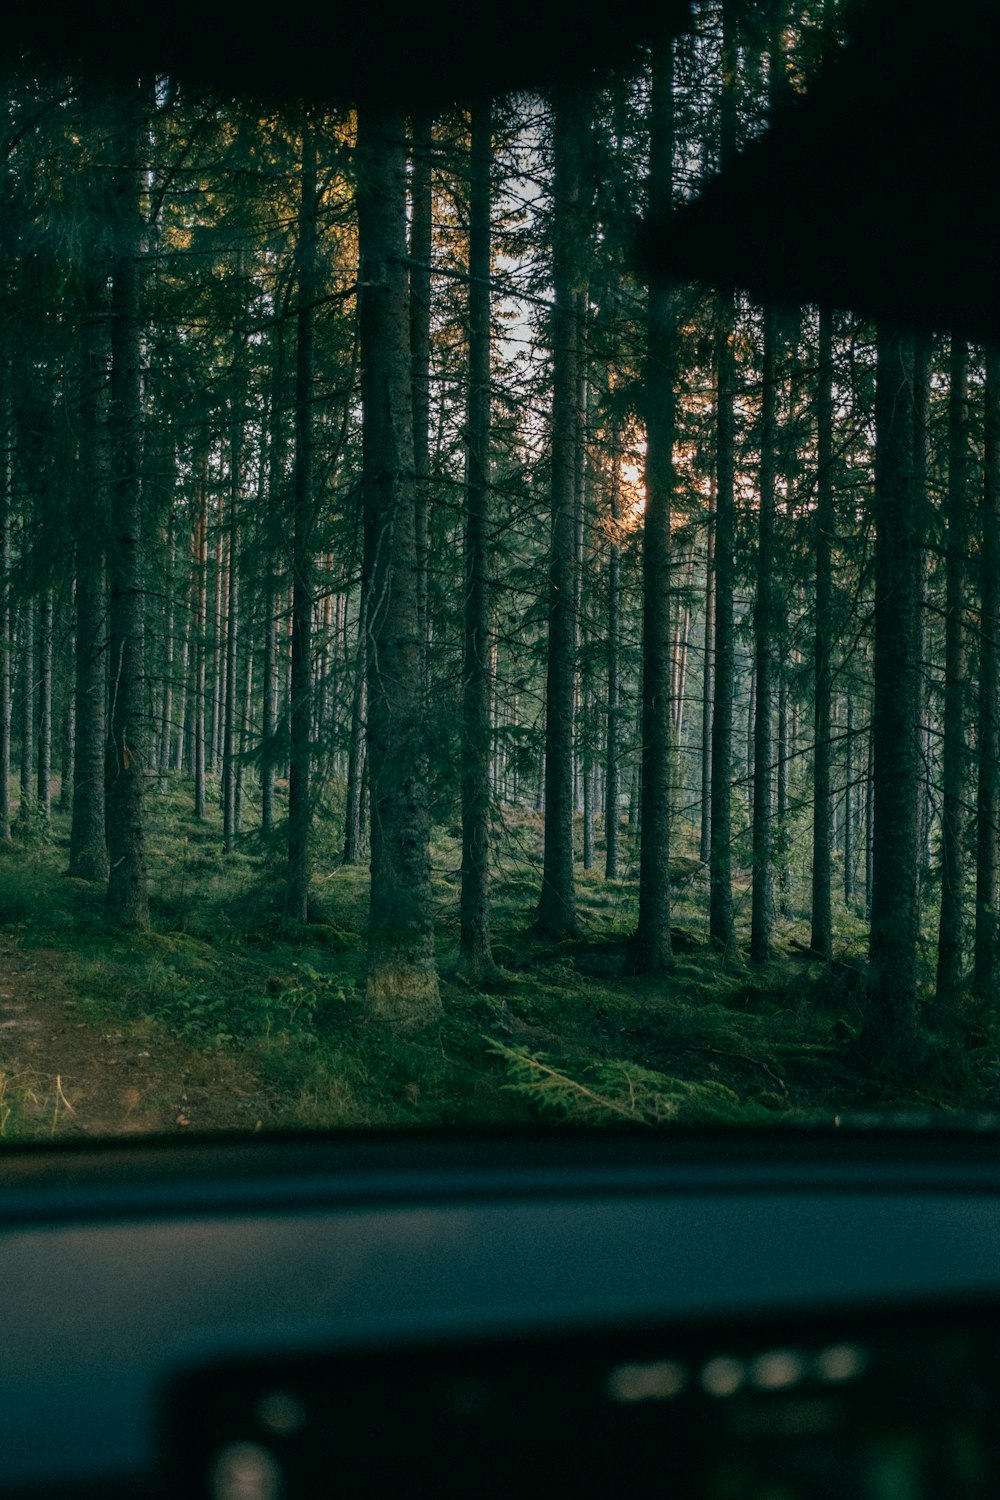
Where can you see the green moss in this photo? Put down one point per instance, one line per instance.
(222, 970)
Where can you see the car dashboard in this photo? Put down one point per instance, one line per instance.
(780, 1315)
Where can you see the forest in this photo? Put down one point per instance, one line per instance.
(447, 676)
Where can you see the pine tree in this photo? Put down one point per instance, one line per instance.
(402, 987)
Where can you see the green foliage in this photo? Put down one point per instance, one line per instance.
(565, 1032)
(616, 1091)
(30, 823)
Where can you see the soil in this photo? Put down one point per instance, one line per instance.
(62, 1076)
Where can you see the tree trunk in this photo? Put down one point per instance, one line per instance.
(985, 977)
(45, 707)
(303, 517)
(721, 921)
(244, 735)
(921, 398)
(722, 926)
(421, 250)
(6, 625)
(765, 632)
(707, 690)
(167, 695)
(67, 752)
(88, 850)
(475, 959)
(888, 1035)
(402, 987)
(580, 671)
(184, 685)
(354, 802)
(270, 707)
(821, 940)
(651, 948)
(201, 633)
(26, 780)
(218, 653)
(869, 818)
(612, 784)
(230, 744)
(680, 651)
(849, 806)
(951, 925)
(557, 903)
(589, 780)
(127, 901)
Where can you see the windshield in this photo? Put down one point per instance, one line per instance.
(455, 669)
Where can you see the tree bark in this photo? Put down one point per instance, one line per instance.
(230, 744)
(951, 924)
(88, 850)
(354, 802)
(612, 783)
(421, 250)
(987, 947)
(67, 750)
(921, 397)
(275, 511)
(651, 947)
(303, 518)
(557, 903)
(6, 624)
(475, 959)
(127, 901)
(26, 779)
(888, 1034)
(402, 987)
(169, 648)
(821, 940)
(200, 651)
(707, 689)
(722, 927)
(850, 803)
(45, 707)
(721, 922)
(765, 632)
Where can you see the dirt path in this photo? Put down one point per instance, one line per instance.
(61, 1076)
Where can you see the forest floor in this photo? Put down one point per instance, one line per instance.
(225, 1016)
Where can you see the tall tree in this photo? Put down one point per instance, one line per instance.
(707, 688)
(402, 986)
(303, 518)
(987, 942)
(765, 653)
(6, 499)
(722, 925)
(821, 939)
(88, 852)
(475, 956)
(888, 1033)
(45, 627)
(951, 925)
(652, 939)
(557, 902)
(421, 251)
(127, 901)
(274, 514)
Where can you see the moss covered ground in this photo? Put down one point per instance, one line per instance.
(224, 1015)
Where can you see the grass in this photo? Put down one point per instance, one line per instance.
(565, 1032)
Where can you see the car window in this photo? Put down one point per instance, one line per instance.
(470, 656)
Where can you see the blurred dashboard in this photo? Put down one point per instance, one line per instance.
(778, 1315)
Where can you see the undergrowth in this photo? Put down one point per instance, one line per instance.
(564, 1033)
